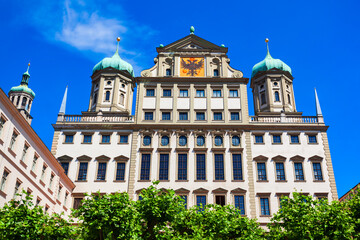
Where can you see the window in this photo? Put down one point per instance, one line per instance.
(69, 138)
(165, 140)
(216, 73)
(237, 167)
(234, 116)
(26, 147)
(259, 139)
(219, 167)
(277, 97)
(183, 116)
(18, 101)
(59, 192)
(107, 96)
(166, 116)
(87, 138)
(216, 93)
(145, 167)
(294, 139)
(122, 98)
(82, 171)
(200, 116)
(182, 167)
(167, 93)
(124, 138)
(105, 138)
(147, 140)
(101, 174)
(23, 103)
(299, 173)
(149, 116)
(66, 198)
(312, 139)
(280, 172)
(317, 172)
(13, 140)
(261, 171)
(276, 138)
(263, 98)
(182, 140)
(200, 93)
(240, 203)
(2, 123)
(108, 82)
(120, 171)
(200, 140)
(95, 98)
(184, 197)
(289, 99)
(168, 72)
(220, 200)
(3, 180)
(236, 141)
(183, 93)
(38, 200)
(51, 180)
(17, 186)
(77, 202)
(65, 166)
(150, 92)
(218, 141)
(34, 163)
(43, 172)
(217, 116)
(233, 93)
(264, 204)
(201, 201)
(164, 167)
(200, 167)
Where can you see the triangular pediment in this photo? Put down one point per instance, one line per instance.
(84, 158)
(181, 190)
(238, 190)
(219, 190)
(102, 158)
(64, 158)
(121, 158)
(201, 190)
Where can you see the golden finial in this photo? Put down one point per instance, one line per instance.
(29, 64)
(266, 40)
(118, 39)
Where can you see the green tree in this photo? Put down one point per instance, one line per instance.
(303, 217)
(353, 204)
(20, 219)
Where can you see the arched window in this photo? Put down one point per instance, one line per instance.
(18, 100)
(23, 103)
(218, 141)
(182, 140)
(107, 96)
(165, 140)
(235, 141)
(277, 97)
(200, 140)
(289, 100)
(122, 99)
(147, 140)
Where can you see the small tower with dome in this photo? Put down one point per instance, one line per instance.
(22, 96)
(272, 86)
(113, 85)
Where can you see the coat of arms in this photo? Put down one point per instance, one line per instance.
(192, 67)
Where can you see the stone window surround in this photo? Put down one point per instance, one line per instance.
(123, 134)
(182, 151)
(196, 152)
(239, 192)
(258, 134)
(290, 134)
(222, 152)
(261, 159)
(81, 159)
(276, 134)
(101, 159)
(158, 165)
(164, 133)
(264, 195)
(279, 159)
(317, 159)
(66, 133)
(87, 133)
(312, 134)
(298, 159)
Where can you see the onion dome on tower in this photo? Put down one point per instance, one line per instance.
(114, 62)
(23, 87)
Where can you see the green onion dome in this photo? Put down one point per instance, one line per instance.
(23, 87)
(269, 63)
(115, 62)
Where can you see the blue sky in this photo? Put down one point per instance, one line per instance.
(63, 40)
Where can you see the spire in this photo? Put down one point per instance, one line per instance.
(117, 46)
(63, 103)
(267, 47)
(318, 108)
(26, 76)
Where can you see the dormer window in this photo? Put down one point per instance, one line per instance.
(168, 72)
(216, 72)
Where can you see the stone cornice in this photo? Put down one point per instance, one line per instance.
(191, 80)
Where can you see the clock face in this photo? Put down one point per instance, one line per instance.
(192, 67)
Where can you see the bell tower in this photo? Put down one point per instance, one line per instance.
(272, 86)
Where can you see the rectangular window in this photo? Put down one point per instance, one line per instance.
(183, 116)
(43, 172)
(264, 204)
(184, 197)
(38, 200)
(184, 93)
(201, 201)
(82, 171)
(59, 192)
(299, 173)
(150, 92)
(317, 172)
(200, 93)
(69, 138)
(168, 72)
(280, 172)
(166, 116)
(235, 116)
(2, 123)
(312, 139)
(182, 166)
(34, 163)
(145, 167)
(200, 167)
(149, 116)
(17, 186)
(261, 171)
(164, 167)
(219, 167)
(240, 203)
(13, 140)
(216, 93)
(217, 116)
(77, 203)
(26, 147)
(105, 138)
(276, 138)
(101, 174)
(259, 139)
(200, 116)
(220, 200)
(124, 138)
(51, 181)
(65, 166)
(237, 167)
(294, 138)
(166, 92)
(87, 138)
(216, 72)
(120, 171)
(233, 93)
(3, 180)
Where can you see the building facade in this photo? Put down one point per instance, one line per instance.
(192, 132)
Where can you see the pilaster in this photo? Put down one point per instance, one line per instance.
(329, 166)
(250, 174)
(132, 164)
